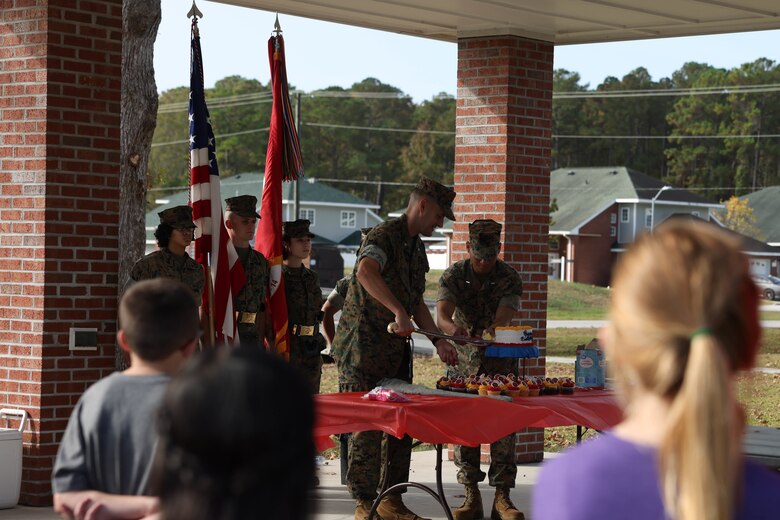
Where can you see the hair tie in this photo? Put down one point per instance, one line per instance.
(701, 331)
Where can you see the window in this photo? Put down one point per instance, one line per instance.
(612, 218)
(624, 215)
(348, 219)
(648, 217)
(612, 231)
(307, 214)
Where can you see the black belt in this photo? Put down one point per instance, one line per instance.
(304, 330)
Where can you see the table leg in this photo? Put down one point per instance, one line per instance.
(439, 496)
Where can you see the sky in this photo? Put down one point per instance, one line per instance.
(323, 54)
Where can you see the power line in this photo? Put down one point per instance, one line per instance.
(379, 129)
(693, 91)
(265, 97)
(741, 136)
(220, 136)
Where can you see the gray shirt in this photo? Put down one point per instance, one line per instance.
(110, 439)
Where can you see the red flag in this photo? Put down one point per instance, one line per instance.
(282, 162)
(211, 238)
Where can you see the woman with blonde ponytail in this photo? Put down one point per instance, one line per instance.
(683, 322)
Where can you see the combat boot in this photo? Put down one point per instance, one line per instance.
(363, 508)
(471, 509)
(392, 508)
(503, 508)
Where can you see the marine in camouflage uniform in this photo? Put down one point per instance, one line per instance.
(366, 353)
(304, 300)
(249, 303)
(481, 297)
(165, 263)
(335, 301)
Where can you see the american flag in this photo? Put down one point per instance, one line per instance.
(211, 238)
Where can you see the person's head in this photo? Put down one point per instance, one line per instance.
(158, 318)
(429, 203)
(176, 229)
(483, 245)
(683, 320)
(235, 439)
(241, 218)
(296, 238)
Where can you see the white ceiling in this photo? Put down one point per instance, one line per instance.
(557, 21)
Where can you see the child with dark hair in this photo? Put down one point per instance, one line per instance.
(110, 440)
(235, 440)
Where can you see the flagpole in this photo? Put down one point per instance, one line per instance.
(212, 332)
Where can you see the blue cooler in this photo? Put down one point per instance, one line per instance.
(11, 458)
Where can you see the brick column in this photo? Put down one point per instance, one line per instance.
(502, 169)
(60, 69)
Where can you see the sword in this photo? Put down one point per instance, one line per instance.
(393, 326)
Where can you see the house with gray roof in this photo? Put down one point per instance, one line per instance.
(334, 214)
(766, 209)
(602, 210)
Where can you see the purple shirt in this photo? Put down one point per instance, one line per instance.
(609, 477)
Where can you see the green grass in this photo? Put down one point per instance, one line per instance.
(576, 301)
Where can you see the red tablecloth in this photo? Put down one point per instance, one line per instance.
(458, 420)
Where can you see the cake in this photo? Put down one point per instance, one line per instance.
(516, 335)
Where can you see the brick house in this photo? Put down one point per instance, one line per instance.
(602, 210)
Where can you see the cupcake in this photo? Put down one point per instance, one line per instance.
(483, 388)
(458, 385)
(494, 388)
(567, 386)
(523, 389)
(534, 388)
(443, 383)
(472, 387)
(550, 387)
(512, 390)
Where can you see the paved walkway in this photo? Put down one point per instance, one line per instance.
(334, 503)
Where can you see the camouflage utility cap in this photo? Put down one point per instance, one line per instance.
(485, 238)
(438, 192)
(297, 229)
(179, 217)
(243, 206)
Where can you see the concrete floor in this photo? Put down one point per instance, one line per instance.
(334, 503)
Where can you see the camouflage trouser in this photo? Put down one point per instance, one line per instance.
(310, 367)
(503, 467)
(369, 449)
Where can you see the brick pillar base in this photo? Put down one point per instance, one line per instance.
(502, 169)
(60, 71)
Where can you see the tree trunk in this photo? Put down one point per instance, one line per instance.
(140, 20)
